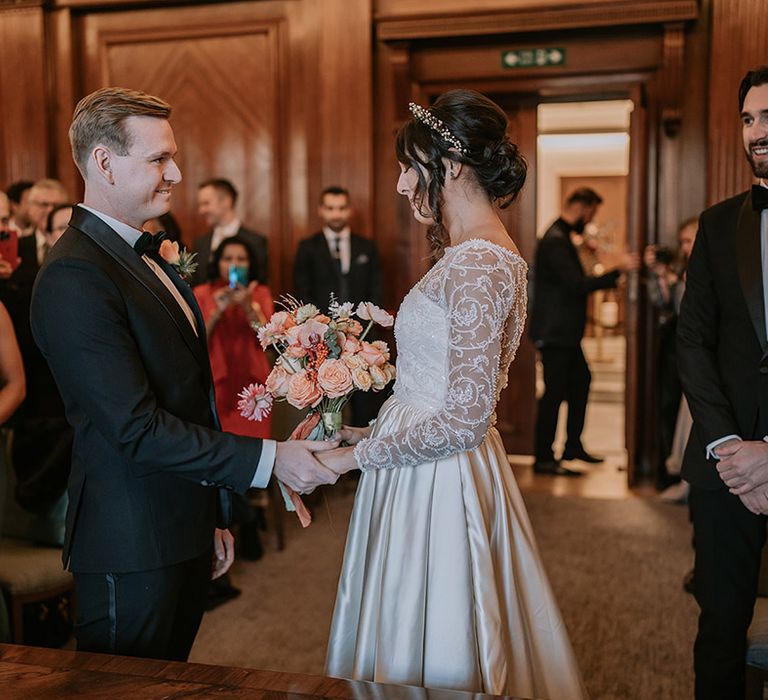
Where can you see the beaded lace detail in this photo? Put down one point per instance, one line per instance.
(457, 332)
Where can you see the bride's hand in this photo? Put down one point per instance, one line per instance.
(340, 460)
(352, 435)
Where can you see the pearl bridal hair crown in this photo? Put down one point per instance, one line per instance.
(426, 117)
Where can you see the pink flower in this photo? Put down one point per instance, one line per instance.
(169, 251)
(278, 381)
(303, 392)
(350, 326)
(334, 378)
(375, 353)
(368, 311)
(255, 402)
(351, 345)
(307, 334)
(276, 328)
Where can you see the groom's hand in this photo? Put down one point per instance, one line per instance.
(756, 501)
(297, 467)
(223, 552)
(746, 468)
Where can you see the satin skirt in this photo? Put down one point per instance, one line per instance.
(442, 585)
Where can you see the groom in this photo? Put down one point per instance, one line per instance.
(151, 471)
(723, 362)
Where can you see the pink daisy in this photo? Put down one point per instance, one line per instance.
(255, 402)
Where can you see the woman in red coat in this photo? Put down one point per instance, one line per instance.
(234, 305)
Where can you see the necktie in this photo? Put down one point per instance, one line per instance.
(337, 251)
(149, 244)
(759, 197)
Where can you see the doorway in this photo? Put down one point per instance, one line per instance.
(587, 144)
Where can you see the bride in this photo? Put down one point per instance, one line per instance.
(442, 585)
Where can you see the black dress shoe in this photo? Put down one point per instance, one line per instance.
(583, 456)
(553, 468)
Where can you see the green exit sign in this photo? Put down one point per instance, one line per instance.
(533, 58)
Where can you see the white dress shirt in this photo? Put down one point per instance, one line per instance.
(41, 246)
(220, 233)
(130, 235)
(345, 246)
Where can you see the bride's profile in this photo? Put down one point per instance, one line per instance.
(442, 585)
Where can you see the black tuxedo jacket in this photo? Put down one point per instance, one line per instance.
(258, 244)
(316, 274)
(136, 385)
(721, 334)
(560, 290)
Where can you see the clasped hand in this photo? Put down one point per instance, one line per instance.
(743, 467)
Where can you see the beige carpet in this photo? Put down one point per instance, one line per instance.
(616, 567)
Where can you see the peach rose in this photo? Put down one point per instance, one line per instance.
(276, 328)
(303, 392)
(375, 353)
(351, 345)
(361, 378)
(334, 378)
(378, 377)
(368, 311)
(353, 361)
(349, 325)
(390, 370)
(278, 381)
(169, 251)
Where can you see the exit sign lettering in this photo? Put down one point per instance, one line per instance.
(533, 58)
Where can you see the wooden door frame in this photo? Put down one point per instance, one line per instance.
(398, 80)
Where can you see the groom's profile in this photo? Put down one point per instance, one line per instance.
(122, 333)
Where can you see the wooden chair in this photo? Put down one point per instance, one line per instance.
(30, 574)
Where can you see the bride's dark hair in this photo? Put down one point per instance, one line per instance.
(480, 125)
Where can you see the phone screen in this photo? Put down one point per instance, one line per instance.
(238, 275)
(9, 246)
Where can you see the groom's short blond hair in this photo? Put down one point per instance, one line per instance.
(99, 118)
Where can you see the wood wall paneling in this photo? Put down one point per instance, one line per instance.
(24, 153)
(738, 45)
(401, 19)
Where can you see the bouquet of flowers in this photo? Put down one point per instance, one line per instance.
(322, 360)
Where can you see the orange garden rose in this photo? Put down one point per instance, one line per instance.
(375, 353)
(278, 381)
(334, 378)
(303, 392)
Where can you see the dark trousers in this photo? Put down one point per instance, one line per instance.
(566, 378)
(669, 395)
(728, 540)
(154, 614)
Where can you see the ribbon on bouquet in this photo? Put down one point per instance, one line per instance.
(293, 502)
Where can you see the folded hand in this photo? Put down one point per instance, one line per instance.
(352, 435)
(756, 500)
(296, 464)
(743, 466)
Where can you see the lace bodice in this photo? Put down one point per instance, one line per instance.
(457, 332)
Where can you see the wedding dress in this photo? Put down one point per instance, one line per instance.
(442, 585)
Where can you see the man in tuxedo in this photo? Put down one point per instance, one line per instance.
(723, 362)
(558, 317)
(151, 471)
(339, 262)
(216, 200)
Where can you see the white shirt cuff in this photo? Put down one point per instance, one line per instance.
(266, 464)
(712, 445)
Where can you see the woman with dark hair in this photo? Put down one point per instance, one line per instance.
(442, 585)
(234, 305)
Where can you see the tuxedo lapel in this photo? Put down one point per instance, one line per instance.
(123, 254)
(749, 264)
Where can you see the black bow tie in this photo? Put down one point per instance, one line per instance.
(149, 244)
(759, 197)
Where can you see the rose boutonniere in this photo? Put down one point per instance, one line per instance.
(179, 258)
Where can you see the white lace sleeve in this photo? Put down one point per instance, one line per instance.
(478, 291)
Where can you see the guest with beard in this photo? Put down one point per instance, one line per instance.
(722, 345)
(558, 317)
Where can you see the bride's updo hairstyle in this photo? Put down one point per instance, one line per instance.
(466, 127)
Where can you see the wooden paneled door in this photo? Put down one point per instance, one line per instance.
(221, 72)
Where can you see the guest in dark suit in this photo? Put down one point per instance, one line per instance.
(558, 317)
(126, 344)
(216, 200)
(723, 362)
(18, 196)
(339, 262)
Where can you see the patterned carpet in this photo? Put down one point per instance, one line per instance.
(616, 567)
